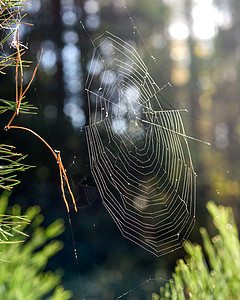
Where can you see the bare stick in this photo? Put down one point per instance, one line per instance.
(57, 156)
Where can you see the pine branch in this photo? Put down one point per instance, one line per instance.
(8, 105)
(10, 162)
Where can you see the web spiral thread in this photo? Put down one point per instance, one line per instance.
(138, 150)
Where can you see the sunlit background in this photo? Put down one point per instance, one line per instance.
(194, 45)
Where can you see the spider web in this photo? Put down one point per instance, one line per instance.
(138, 149)
(11, 20)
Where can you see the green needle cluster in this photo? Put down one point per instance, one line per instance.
(211, 272)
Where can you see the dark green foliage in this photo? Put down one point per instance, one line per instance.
(11, 225)
(25, 108)
(25, 247)
(10, 162)
(22, 263)
(215, 276)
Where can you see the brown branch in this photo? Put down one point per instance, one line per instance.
(16, 81)
(33, 75)
(11, 16)
(19, 96)
(10, 60)
(62, 172)
(64, 175)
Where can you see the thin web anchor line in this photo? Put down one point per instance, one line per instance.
(151, 111)
(179, 133)
(157, 125)
(76, 255)
(142, 284)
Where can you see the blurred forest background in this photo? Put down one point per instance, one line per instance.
(196, 46)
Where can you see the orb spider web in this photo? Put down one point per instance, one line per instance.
(138, 150)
